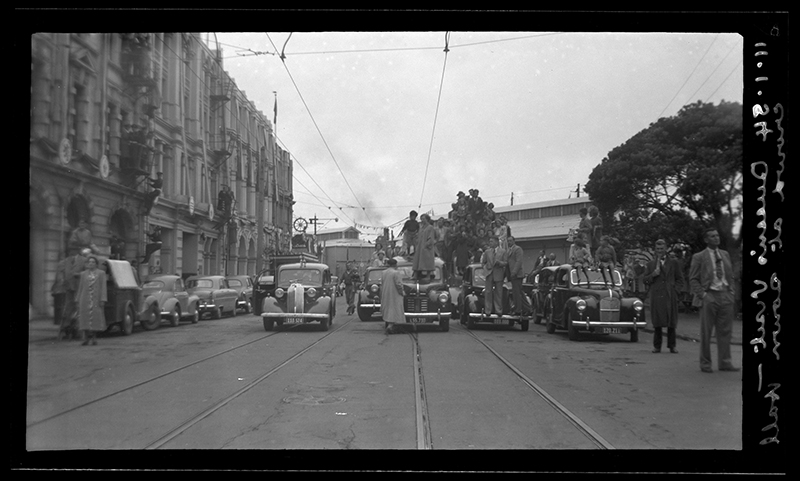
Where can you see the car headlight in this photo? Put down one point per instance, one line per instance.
(637, 305)
(279, 292)
(311, 292)
(581, 304)
(374, 288)
(444, 297)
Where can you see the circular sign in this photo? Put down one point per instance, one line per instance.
(104, 167)
(191, 205)
(65, 151)
(300, 224)
(210, 211)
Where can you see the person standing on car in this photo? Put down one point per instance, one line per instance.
(351, 280)
(711, 280)
(424, 258)
(392, 310)
(515, 274)
(494, 263)
(92, 297)
(409, 233)
(666, 279)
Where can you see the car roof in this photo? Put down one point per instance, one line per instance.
(191, 278)
(304, 265)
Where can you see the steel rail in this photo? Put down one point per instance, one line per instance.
(421, 400)
(157, 377)
(575, 420)
(181, 428)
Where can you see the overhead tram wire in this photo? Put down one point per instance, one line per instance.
(713, 71)
(319, 131)
(725, 80)
(687, 78)
(435, 116)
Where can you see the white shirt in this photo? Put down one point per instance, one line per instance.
(718, 284)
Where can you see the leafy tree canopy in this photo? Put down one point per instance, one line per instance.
(674, 178)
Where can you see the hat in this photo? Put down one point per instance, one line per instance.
(461, 193)
(391, 262)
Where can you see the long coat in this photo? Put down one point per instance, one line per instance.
(392, 296)
(91, 291)
(423, 255)
(664, 290)
(701, 273)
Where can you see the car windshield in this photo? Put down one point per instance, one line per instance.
(479, 277)
(595, 278)
(376, 275)
(199, 283)
(408, 272)
(307, 277)
(234, 283)
(154, 285)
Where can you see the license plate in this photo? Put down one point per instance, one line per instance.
(417, 320)
(294, 320)
(499, 321)
(611, 330)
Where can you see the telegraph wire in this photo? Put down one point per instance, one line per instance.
(324, 141)
(725, 80)
(690, 76)
(435, 116)
(712, 73)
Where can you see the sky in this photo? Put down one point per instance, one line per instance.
(382, 123)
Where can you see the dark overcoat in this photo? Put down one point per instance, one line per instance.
(91, 291)
(664, 292)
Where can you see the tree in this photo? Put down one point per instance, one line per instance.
(674, 178)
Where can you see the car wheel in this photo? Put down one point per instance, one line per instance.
(247, 308)
(153, 320)
(127, 322)
(470, 321)
(634, 335)
(174, 317)
(537, 314)
(524, 324)
(196, 316)
(572, 331)
(325, 323)
(551, 324)
(217, 314)
(269, 324)
(444, 325)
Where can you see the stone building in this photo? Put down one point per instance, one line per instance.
(109, 113)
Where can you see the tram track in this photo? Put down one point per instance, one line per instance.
(194, 363)
(579, 424)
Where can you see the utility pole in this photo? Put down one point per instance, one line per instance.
(578, 190)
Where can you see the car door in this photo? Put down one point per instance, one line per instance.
(179, 291)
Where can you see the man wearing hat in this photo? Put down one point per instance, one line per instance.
(392, 296)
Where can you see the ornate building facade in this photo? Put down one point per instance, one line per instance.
(130, 132)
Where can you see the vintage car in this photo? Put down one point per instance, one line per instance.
(303, 293)
(471, 302)
(263, 288)
(175, 301)
(368, 301)
(426, 303)
(214, 295)
(244, 286)
(579, 304)
(540, 294)
(127, 303)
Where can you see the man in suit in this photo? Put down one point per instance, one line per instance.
(516, 275)
(711, 282)
(494, 263)
(666, 279)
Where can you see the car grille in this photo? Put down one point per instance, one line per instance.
(609, 309)
(416, 304)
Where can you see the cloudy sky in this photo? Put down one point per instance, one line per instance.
(382, 123)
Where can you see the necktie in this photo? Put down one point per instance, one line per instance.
(717, 264)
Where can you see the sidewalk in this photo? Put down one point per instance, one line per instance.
(689, 328)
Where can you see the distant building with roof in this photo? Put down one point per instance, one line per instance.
(543, 226)
(348, 232)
